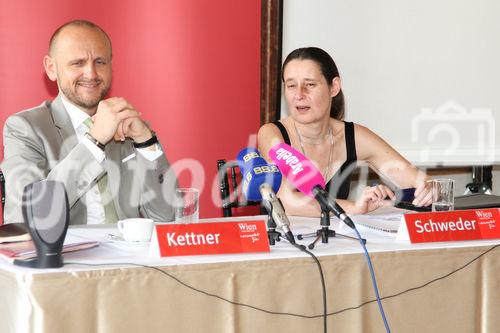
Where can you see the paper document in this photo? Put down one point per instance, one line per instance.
(386, 219)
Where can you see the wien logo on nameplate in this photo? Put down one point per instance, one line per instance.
(450, 226)
(210, 238)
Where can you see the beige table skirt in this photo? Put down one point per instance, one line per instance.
(145, 300)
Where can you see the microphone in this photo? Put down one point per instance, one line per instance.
(261, 181)
(256, 171)
(275, 208)
(304, 175)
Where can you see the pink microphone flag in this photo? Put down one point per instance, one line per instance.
(297, 168)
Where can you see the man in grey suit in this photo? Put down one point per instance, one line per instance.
(110, 162)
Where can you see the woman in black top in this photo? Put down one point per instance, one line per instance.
(312, 90)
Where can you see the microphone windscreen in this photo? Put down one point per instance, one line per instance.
(297, 168)
(256, 171)
(248, 156)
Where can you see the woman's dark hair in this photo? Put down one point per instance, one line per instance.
(328, 69)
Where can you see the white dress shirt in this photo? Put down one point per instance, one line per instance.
(95, 209)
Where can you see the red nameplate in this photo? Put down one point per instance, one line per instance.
(457, 225)
(210, 238)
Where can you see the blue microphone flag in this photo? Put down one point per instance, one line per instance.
(256, 171)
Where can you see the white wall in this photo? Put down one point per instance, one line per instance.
(422, 74)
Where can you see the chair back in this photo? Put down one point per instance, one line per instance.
(2, 193)
(230, 188)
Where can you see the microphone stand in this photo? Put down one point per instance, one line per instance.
(272, 235)
(325, 232)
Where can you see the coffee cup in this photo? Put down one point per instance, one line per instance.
(136, 229)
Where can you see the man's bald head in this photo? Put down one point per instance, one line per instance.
(74, 23)
(80, 61)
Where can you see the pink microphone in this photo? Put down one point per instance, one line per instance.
(304, 175)
(297, 168)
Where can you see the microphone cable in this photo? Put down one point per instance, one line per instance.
(206, 293)
(296, 315)
(323, 285)
(421, 286)
(298, 246)
(374, 280)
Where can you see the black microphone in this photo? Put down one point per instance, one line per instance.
(326, 201)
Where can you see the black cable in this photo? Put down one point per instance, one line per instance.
(196, 289)
(418, 287)
(299, 246)
(288, 313)
(323, 285)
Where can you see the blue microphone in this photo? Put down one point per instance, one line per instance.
(261, 181)
(256, 171)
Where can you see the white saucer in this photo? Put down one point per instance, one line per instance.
(119, 240)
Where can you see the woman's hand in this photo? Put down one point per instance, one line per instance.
(423, 194)
(374, 197)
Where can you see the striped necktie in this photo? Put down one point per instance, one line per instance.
(110, 215)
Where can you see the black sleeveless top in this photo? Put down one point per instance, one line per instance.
(339, 184)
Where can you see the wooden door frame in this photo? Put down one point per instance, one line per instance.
(270, 60)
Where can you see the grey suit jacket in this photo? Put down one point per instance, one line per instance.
(40, 143)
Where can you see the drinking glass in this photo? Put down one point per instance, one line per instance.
(442, 195)
(187, 207)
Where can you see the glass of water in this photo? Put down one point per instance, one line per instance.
(187, 207)
(442, 195)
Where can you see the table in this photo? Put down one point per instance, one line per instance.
(427, 285)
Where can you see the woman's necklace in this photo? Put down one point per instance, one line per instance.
(326, 170)
(314, 141)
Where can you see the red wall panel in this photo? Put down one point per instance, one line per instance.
(190, 66)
